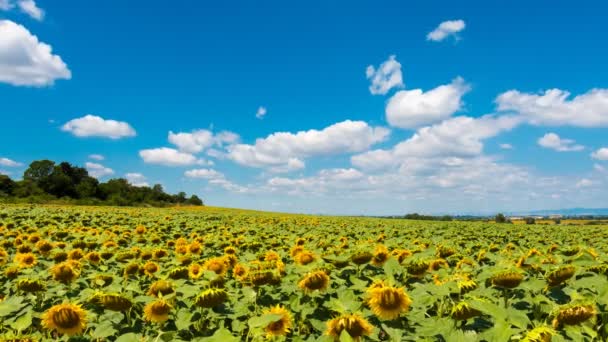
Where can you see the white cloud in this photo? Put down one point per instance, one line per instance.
(95, 126)
(25, 61)
(554, 142)
(201, 139)
(9, 162)
(30, 8)
(506, 146)
(5, 5)
(553, 107)
(584, 183)
(599, 168)
(446, 29)
(415, 108)
(97, 170)
(601, 154)
(168, 157)
(136, 179)
(458, 136)
(204, 173)
(96, 157)
(386, 77)
(284, 149)
(261, 112)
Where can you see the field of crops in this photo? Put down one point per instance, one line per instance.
(97, 274)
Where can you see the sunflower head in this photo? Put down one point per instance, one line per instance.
(436, 264)
(181, 272)
(388, 302)
(195, 248)
(305, 257)
(539, 334)
(295, 250)
(131, 269)
(417, 267)
(507, 279)
(44, 247)
(76, 254)
(93, 257)
(230, 250)
(160, 287)
(314, 281)
(195, 271)
(239, 271)
(217, 265)
(463, 311)
(361, 257)
(65, 272)
(68, 319)
(211, 298)
(281, 326)
(271, 256)
(355, 325)
(560, 275)
(26, 260)
(12, 272)
(150, 268)
(380, 256)
(157, 311)
(159, 253)
(30, 285)
(113, 301)
(466, 285)
(573, 315)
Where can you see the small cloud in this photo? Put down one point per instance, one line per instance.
(599, 168)
(96, 157)
(95, 126)
(554, 142)
(584, 183)
(168, 157)
(261, 112)
(136, 179)
(387, 76)
(97, 170)
(506, 146)
(9, 163)
(30, 8)
(601, 154)
(449, 28)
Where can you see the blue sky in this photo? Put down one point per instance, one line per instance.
(368, 107)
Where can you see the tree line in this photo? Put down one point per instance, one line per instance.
(45, 181)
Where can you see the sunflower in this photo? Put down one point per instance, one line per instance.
(150, 268)
(507, 279)
(157, 311)
(67, 318)
(76, 254)
(12, 272)
(26, 260)
(161, 287)
(211, 298)
(195, 271)
(113, 301)
(65, 272)
(314, 281)
(560, 275)
(573, 315)
(539, 334)
(195, 248)
(361, 257)
(355, 325)
(131, 269)
(295, 250)
(239, 271)
(159, 253)
(140, 229)
(44, 247)
(463, 311)
(30, 285)
(305, 257)
(3, 256)
(181, 249)
(217, 265)
(281, 326)
(387, 302)
(93, 257)
(380, 256)
(229, 250)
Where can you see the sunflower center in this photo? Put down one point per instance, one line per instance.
(66, 318)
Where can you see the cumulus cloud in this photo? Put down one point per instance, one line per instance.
(136, 179)
(600, 154)
(506, 146)
(584, 183)
(98, 157)
(449, 28)
(9, 162)
(459, 136)
(554, 108)
(554, 142)
(168, 157)
(416, 108)
(25, 61)
(284, 149)
(97, 170)
(387, 76)
(30, 8)
(95, 126)
(204, 173)
(201, 139)
(261, 112)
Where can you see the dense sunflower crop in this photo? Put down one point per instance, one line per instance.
(115, 274)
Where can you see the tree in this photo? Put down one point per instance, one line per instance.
(500, 218)
(39, 172)
(194, 200)
(530, 220)
(7, 185)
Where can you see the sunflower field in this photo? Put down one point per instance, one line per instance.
(210, 274)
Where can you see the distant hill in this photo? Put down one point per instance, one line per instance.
(569, 212)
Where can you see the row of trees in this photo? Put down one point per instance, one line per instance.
(44, 180)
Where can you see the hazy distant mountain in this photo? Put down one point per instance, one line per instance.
(570, 212)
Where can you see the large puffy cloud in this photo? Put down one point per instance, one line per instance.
(387, 76)
(553, 107)
(25, 61)
(198, 140)
(9, 162)
(459, 136)
(97, 170)
(95, 126)
(448, 28)
(168, 157)
(286, 150)
(416, 108)
(554, 142)
(600, 154)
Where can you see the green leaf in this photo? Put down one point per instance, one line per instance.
(10, 305)
(23, 322)
(221, 335)
(345, 337)
(262, 321)
(129, 337)
(183, 320)
(103, 330)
